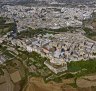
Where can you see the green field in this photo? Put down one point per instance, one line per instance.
(5, 27)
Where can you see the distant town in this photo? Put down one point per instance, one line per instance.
(48, 17)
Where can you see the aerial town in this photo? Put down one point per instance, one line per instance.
(47, 17)
(47, 47)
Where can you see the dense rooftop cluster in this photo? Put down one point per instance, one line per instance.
(47, 17)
